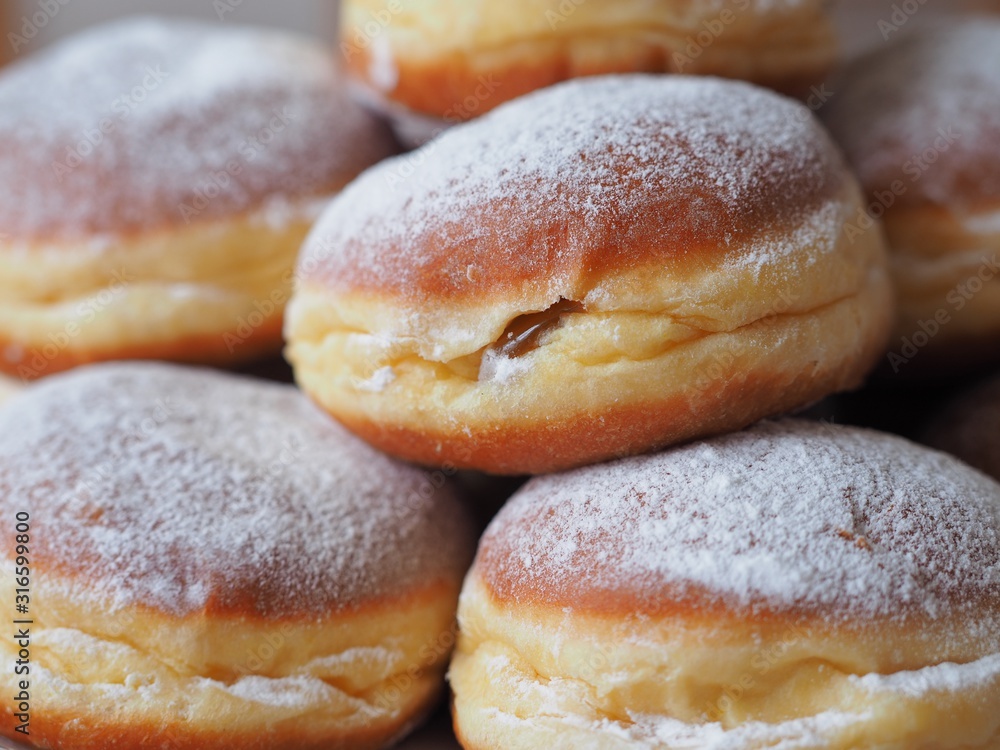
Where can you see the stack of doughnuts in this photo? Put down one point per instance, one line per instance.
(580, 320)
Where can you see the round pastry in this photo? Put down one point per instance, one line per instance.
(212, 563)
(918, 120)
(796, 585)
(456, 59)
(156, 181)
(560, 283)
(969, 427)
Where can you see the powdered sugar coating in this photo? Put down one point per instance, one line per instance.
(788, 517)
(616, 171)
(924, 111)
(188, 490)
(940, 678)
(121, 127)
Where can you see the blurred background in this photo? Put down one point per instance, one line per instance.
(35, 23)
(40, 21)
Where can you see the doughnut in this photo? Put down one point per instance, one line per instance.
(918, 120)
(560, 283)
(797, 585)
(156, 181)
(967, 427)
(214, 563)
(453, 60)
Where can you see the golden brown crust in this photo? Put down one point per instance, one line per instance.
(914, 119)
(457, 60)
(194, 504)
(578, 399)
(639, 527)
(624, 429)
(201, 668)
(74, 732)
(213, 292)
(946, 269)
(447, 88)
(669, 235)
(491, 235)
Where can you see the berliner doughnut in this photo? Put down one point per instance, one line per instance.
(157, 180)
(969, 427)
(216, 564)
(456, 59)
(559, 283)
(793, 586)
(919, 120)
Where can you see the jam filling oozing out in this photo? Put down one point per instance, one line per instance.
(525, 332)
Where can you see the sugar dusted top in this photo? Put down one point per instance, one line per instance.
(616, 172)
(786, 517)
(187, 491)
(144, 123)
